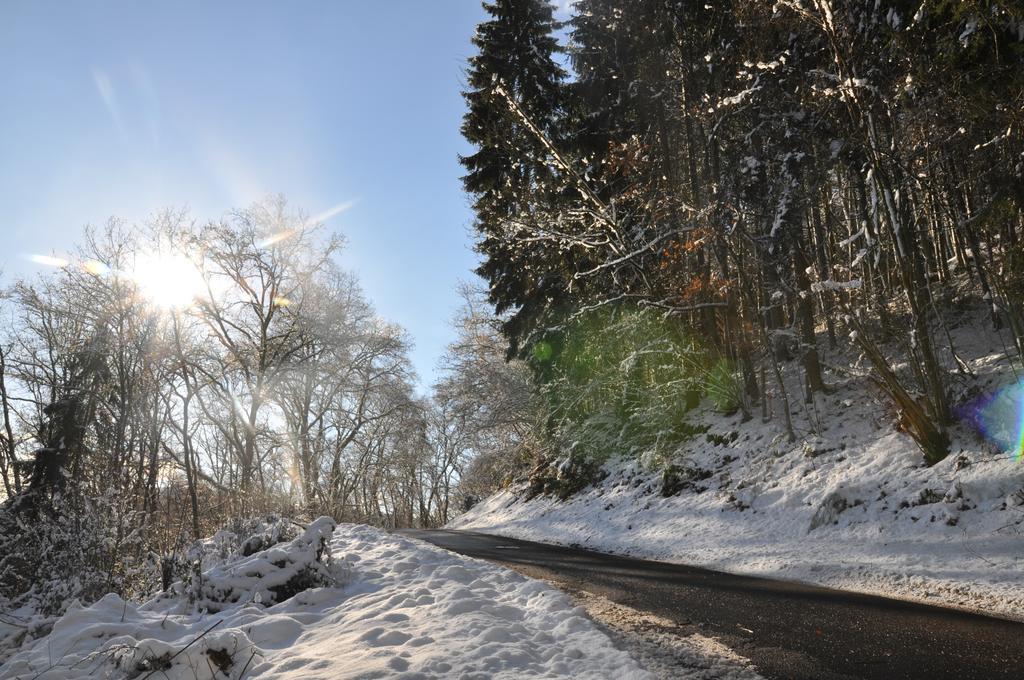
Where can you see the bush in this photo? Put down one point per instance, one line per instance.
(563, 478)
(724, 387)
(675, 478)
(622, 381)
(56, 550)
(267, 576)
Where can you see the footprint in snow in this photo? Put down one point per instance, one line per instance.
(381, 637)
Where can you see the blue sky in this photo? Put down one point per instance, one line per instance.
(123, 108)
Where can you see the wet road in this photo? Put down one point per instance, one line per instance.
(788, 630)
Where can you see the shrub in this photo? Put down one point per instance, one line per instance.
(70, 547)
(563, 478)
(267, 576)
(622, 381)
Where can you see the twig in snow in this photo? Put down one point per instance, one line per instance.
(246, 666)
(194, 640)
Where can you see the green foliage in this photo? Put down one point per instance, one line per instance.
(621, 381)
(723, 385)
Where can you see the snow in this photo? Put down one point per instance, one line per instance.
(969, 29)
(949, 534)
(830, 285)
(738, 97)
(393, 607)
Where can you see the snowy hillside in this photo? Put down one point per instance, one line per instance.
(851, 504)
(389, 607)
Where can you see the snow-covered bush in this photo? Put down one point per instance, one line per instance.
(189, 646)
(250, 572)
(57, 551)
(563, 477)
(217, 655)
(61, 549)
(239, 537)
(67, 552)
(253, 562)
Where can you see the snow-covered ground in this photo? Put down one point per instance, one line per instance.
(883, 522)
(388, 607)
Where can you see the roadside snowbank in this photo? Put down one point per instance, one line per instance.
(850, 505)
(393, 608)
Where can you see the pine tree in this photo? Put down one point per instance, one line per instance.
(508, 174)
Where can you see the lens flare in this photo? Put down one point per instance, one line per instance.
(275, 238)
(49, 260)
(1020, 425)
(999, 416)
(95, 267)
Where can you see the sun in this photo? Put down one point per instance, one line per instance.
(168, 280)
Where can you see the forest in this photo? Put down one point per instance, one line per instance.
(691, 196)
(674, 202)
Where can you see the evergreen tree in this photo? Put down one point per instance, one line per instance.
(509, 174)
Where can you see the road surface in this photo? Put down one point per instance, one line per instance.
(788, 630)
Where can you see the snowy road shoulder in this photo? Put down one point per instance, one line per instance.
(665, 648)
(397, 608)
(886, 541)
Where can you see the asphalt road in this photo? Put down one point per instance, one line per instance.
(788, 630)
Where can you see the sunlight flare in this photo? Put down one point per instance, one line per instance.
(319, 218)
(48, 260)
(330, 212)
(275, 238)
(168, 280)
(95, 267)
